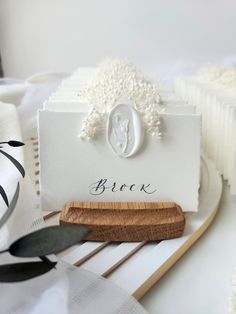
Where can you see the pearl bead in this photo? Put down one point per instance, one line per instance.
(116, 78)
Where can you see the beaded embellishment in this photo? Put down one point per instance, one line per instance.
(117, 79)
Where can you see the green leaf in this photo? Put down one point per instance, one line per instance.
(4, 195)
(15, 162)
(24, 271)
(49, 240)
(15, 143)
(11, 207)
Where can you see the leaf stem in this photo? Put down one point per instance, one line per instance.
(13, 143)
(4, 251)
(46, 259)
(15, 162)
(4, 195)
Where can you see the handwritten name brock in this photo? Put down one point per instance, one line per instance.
(102, 185)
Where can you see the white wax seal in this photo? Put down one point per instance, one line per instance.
(125, 130)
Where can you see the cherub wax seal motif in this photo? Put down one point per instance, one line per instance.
(124, 130)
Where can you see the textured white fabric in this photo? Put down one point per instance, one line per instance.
(66, 290)
(12, 90)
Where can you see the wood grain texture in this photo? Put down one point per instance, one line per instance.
(126, 221)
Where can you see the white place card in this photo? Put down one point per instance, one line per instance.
(80, 170)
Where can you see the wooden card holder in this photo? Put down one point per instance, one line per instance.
(126, 221)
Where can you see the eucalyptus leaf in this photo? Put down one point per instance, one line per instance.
(24, 271)
(4, 195)
(11, 207)
(15, 162)
(15, 143)
(49, 240)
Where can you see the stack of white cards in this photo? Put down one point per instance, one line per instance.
(73, 169)
(217, 105)
(66, 97)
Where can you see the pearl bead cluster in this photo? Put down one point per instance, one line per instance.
(211, 73)
(152, 121)
(220, 76)
(228, 79)
(117, 79)
(91, 124)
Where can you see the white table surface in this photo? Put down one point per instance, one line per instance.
(200, 282)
